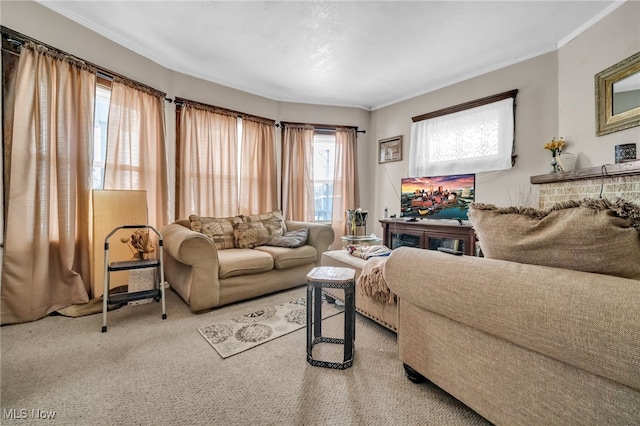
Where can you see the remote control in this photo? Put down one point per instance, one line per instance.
(450, 251)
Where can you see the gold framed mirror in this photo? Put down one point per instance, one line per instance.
(618, 96)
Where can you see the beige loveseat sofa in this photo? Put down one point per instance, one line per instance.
(522, 343)
(206, 276)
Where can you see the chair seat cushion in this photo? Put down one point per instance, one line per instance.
(235, 262)
(286, 258)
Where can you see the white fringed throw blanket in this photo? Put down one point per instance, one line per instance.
(371, 281)
(367, 252)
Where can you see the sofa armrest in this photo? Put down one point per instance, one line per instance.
(321, 236)
(583, 319)
(191, 266)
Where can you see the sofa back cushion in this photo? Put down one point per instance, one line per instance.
(291, 239)
(273, 220)
(219, 230)
(250, 235)
(591, 235)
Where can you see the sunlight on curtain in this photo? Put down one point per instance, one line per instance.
(46, 258)
(345, 183)
(471, 141)
(258, 185)
(136, 151)
(208, 170)
(297, 173)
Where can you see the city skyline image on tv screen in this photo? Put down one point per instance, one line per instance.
(437, 197)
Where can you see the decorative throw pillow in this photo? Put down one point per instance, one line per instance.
(250, 235)
(591, 235)
(219, 230)
(291, 239)
(269, 219)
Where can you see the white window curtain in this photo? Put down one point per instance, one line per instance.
(471, 141)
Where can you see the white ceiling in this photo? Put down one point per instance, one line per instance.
(365, 54)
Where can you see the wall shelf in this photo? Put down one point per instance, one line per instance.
(628, 168)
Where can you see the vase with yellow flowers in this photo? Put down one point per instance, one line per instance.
(555, 146)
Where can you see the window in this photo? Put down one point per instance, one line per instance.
(324, 161)
(101, 118)
(468, 138)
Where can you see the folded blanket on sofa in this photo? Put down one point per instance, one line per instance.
(367, 252)
(372, 283)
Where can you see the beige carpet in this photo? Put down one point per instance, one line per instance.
(146, 371)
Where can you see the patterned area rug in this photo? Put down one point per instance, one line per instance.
(248, 331)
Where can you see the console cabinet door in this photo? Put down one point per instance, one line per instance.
(405, 238)
(428, 235)
(446, 241)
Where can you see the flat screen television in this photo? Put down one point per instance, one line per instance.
(437, 197)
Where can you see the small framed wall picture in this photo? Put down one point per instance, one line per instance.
(390, 149)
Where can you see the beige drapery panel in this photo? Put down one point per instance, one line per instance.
(258, 175)
(345, 182)
(297, 173)
(136, 149)
(208, 169)
(46, 257)
(9, 73)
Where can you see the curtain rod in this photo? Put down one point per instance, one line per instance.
(19, 39)
(322, 127)
(180, 101)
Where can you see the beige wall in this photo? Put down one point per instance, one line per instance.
(556, 97)
(536, 124)
(609, 41)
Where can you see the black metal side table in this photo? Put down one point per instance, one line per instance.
(331, 277)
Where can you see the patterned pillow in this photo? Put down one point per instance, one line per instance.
(274, 216)
(219, 230)
(291, 239)
(250, 235)
(592, 235)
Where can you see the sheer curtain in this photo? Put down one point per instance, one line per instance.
(46, 258)
(297, 173)
(258, 183)
(345, 182)
(471, 141)
(208, 162)
(136, 152)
